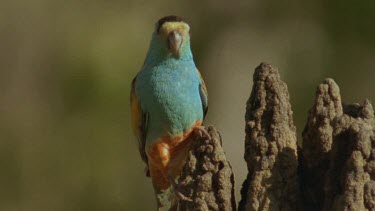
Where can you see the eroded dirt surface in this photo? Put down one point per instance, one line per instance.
(207, 178)
(270, 146)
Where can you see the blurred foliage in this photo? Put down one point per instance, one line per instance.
(66, 69)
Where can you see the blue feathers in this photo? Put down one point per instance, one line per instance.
(170, 93)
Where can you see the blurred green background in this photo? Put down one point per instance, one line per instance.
(66, 69)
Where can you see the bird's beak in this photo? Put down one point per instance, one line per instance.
(175, 42)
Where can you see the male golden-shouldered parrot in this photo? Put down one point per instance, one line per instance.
(168, 102)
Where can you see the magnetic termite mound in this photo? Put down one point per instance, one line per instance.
(270, 145)
(334, 169)
(207, 179)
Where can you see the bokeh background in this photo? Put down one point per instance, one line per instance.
(66, 69)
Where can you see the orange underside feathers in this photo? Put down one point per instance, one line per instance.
(167, 157)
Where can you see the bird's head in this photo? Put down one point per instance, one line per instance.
(171, 39)
(174, 32)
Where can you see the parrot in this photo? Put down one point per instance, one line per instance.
(168, 102)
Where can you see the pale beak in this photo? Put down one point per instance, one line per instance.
(174, 42)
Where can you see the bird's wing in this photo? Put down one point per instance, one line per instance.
(139, 121)
(204, 95)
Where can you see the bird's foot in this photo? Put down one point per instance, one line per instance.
(176, 190)
(201, 131)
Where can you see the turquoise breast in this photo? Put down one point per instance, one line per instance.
(169, 93)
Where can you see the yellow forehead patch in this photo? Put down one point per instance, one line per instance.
(168, 27)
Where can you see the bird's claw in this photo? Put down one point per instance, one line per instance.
(176, 190)
(182, 197)
(202, 132)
